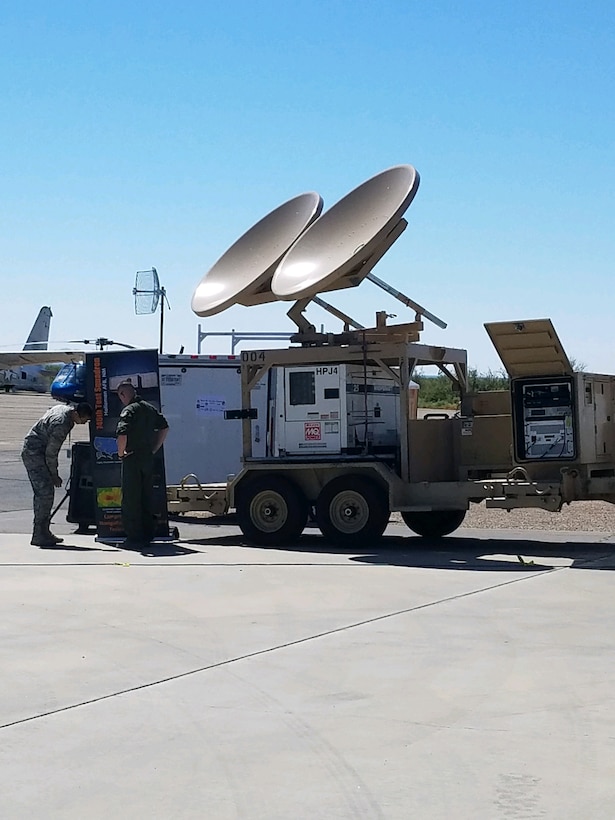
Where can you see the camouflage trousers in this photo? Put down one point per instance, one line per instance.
(42, 486)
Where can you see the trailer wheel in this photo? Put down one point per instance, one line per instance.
(434, 523)
(351, 511)
(271, 511)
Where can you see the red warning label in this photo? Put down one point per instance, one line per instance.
(312, 431)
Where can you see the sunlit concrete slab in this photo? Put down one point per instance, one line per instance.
(211, 678)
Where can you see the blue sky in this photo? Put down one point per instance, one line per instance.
(140, 134)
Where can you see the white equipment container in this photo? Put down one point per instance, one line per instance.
(195, 392)
(333, 409)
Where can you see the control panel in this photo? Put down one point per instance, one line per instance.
(544, 419)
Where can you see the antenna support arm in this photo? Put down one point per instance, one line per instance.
(406, 300)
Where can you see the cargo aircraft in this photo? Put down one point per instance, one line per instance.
(30, 368)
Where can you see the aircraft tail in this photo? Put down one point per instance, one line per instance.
(39, 335)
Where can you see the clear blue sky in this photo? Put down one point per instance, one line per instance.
(139, 134)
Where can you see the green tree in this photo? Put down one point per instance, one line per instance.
(439, 391)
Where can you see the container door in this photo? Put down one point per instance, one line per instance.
(201, 440)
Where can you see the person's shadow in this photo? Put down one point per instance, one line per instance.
(159, 549)
(75, 548)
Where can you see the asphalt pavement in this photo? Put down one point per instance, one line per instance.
(466, 678)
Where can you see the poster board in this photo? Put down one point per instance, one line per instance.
(105, 370)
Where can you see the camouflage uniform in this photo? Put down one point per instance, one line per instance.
(40, 457)
(140, 423)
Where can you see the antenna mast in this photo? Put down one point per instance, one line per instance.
(148, 295)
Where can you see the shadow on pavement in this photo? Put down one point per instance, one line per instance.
(75, 548)
(230, 519)
(165, 549)
(453, 553)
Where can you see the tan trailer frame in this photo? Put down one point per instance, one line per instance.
(436, 475)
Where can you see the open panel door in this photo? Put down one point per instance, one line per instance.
(529, 348)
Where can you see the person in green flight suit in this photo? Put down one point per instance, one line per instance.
(140, 433)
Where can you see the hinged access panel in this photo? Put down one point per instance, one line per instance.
(529, 347)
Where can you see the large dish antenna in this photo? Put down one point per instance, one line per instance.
(243, 273)
(342, 246)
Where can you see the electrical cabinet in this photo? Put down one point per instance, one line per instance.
(558, 415)
(564, 418)
(544, 423)
(334, 409)
(596, 417)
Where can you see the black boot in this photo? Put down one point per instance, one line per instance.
(40, 538)
(49, 534)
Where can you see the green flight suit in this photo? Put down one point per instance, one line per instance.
(140, 423)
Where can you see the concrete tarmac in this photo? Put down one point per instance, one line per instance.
(211, 679)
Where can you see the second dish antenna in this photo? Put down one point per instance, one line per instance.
(295, 253)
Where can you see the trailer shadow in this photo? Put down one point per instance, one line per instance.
(493, 555)
(489, 554)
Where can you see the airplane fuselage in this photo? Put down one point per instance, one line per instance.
(30, 377)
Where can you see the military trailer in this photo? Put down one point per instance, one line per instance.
(548, 441)
(343, 443)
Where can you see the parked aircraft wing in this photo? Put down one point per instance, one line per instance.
(25, 357)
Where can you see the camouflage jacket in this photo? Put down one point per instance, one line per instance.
(48, 434)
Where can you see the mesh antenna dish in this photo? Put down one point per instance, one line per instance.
(340, 249)
(148, 295)
(146, 291)
(243, 273)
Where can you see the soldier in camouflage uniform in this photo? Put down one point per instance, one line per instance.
(141, 431)
(40, 457)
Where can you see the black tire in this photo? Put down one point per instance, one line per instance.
(434, 523)
(271, 511)
(352, 511)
